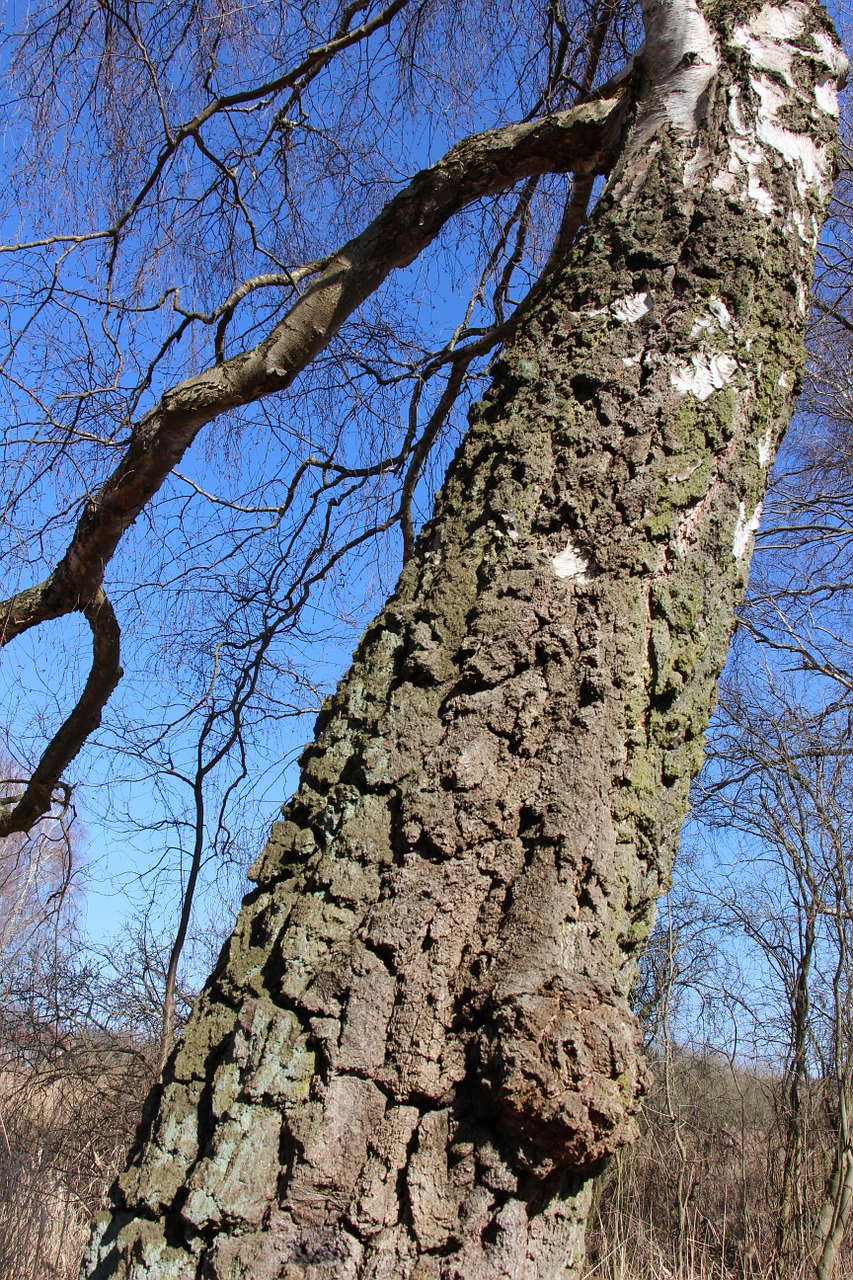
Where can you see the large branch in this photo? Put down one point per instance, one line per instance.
(579, 141)
(37, 796)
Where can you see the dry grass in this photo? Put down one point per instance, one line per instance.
(64, 1130)
(638, 1249)
(697, 1196)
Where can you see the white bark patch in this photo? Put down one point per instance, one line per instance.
(762, 198)
(810, 162)
(724, 181)
(768, 41)
(720, 312)
(797, 224)
(765, 449)
(736, 120)
(831, 56)
(632, 308)
(826, 97)
(744, 154)
(717, 316)
(696, 166)
(704, 375)
(572, 564)
(682, 58)
(702, 324)
(769, 94)
(781, 22)
(766, 38)
(745, 530)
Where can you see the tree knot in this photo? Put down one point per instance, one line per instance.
(564, 1069)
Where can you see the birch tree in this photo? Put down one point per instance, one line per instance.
(416, 1051)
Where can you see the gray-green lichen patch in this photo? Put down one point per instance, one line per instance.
(236, 1182)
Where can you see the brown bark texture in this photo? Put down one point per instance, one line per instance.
(417, 1049)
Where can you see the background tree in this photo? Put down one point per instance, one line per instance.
(779, 786)
(78, 1038)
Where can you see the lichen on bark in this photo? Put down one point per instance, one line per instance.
(417, 1048)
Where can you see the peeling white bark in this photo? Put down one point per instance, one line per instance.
(767, 36)
(717, 316)
(831, 55)
(704, 375)
(826, 97)
(767, 39)
(631, 309)
(802, 298)
(682, 57)
(758, 132)
(572, 564)
(745, 530)
(811, 163)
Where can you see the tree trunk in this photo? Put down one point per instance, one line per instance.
(789, 1225)
(417, 1049)
(835, 1215)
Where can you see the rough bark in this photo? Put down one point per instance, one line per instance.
(417, 1049)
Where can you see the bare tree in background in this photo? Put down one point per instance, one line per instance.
(36, 877)
(78, 1038)
(778, 789)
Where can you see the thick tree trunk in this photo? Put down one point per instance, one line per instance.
(417, 1048)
